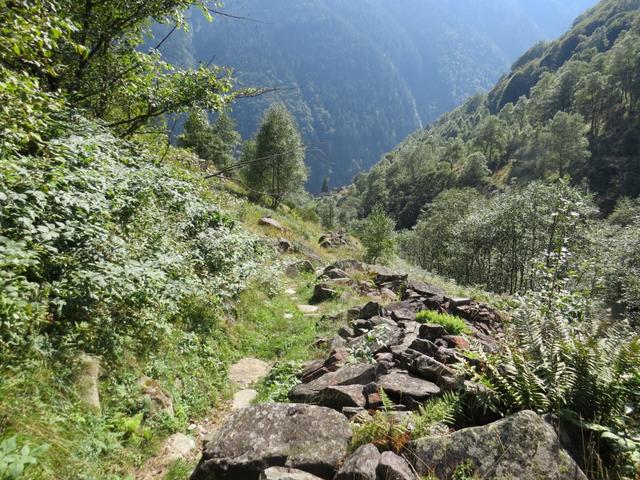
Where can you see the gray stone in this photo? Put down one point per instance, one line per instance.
(177, 446)
(284, 245)
(402, 384)
(361, 465)
(356, 374)
(340, 396)
(372, 309)
(243, 399)
(424, 366)
(394, 467)
(270, 222)
(522, 446)
(305, 437)
(432, 331)
(334, 273)
(378, 339)
(284, 473)
(248, 371)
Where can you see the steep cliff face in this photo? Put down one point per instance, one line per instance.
(361, 75)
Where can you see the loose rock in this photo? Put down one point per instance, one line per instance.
(394, 467)
(284, 473)
(305, 437)
(361, 465)
(522, 446)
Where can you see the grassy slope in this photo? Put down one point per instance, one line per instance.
(40, 405)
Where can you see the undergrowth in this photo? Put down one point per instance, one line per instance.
(452, 324)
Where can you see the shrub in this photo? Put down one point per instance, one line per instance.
(452, 324)
(383, 430)
(437, 410)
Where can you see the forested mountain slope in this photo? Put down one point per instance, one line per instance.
(361, 75)
(576, 114)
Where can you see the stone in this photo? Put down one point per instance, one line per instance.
(177, 446)
(312, 370)
(243, 398)
(305, 437)
(426, 347)
(432, 331)
(295, 269)
(340, 396)
(521, 446)
(423, 288)
(378, 339)
(284, 473)
(424, 366)
(355, 374)
(323, 292)
(248, 371)
(457, 341)
(457, 301)
(284, 245)
(307, 309)
(87, 381)
(270, 222)
(402, 384)
(351, 412)
(346, 332)
(361, 465)
(156, 399)
(372, 309)
(394, 467)
(334, 273)
(403, 311)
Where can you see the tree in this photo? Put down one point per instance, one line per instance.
(325, 185)
(277, 168)
(566, 147)
(474, 171)
(214, 143)
(491, 137)
(378, 235)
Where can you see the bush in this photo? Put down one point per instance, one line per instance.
(453, 325)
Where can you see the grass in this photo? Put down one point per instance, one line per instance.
(452, 324)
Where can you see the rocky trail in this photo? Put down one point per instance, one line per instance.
(381, 349)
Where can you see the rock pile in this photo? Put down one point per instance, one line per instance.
(334, 240)
(384, 347)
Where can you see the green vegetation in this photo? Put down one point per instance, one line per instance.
(377, 236)
(452, 324)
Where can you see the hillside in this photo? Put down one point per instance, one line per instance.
(590, 73)
(174, 312)
(361, 75)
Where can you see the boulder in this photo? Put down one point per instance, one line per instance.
(323, 292)
(522, 446)
(361, 465)
(285, 473)
(270, 222)
(457, 341)
(394, 467)
(380, 338)
(305, 437)
(295, 269)
(355, 374)
(424, 366)
(401, 384)
(177, 446)
(87, 381)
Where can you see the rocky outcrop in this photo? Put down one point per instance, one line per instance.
(305, 437)
(411, 361)
(295, 269)
(334, 240)
(270, 222)
(522, 446)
